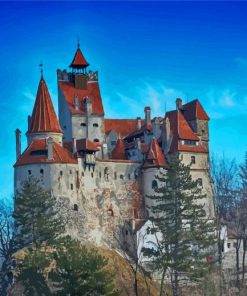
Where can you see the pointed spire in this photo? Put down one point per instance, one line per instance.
(155, 156)
(119, 151)
(79, 62)
(44, 118)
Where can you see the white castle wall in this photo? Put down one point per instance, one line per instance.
(64, 116)
(89, 131)
(57, 137)
(109, 185)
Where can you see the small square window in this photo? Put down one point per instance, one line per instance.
(41, 171)
(76, 207)
(199, 182)
(228, 245)
(193, 159)
(29, 172)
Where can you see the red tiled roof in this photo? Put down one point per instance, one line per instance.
(44, 118)
(87, 145)
(186, 148)
(92, 91)
(180, 126)
(155, 156)
(123, 127)
(79, 61)
(119, 151)
(194, 110)
(60, 154)
(138, 132)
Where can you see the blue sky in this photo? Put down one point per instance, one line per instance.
(147, 53)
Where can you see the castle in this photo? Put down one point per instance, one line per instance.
(101, 170)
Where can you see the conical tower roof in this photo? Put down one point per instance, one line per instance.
(155, 156)
(44, 118)
(119, 151)
(79, 62)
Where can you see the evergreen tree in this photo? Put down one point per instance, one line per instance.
(81, 271)
(36, 218)
(183, 232)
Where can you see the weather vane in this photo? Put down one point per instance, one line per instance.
(78, 43)
(41, 68)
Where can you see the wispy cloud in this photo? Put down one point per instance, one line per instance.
(241, 61)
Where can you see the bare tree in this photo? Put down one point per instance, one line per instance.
(6, 230)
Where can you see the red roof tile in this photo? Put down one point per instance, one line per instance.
(79, 61)
(87, 145)
(44, 118)
(180, 126)
(155, 156)
(92, 91)
(194, 110)
(123, 127)
(119, 151)
(60, 154)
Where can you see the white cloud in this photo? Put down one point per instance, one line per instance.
(228, 98)
(28, 94)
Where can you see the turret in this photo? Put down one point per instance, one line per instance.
(44, 122)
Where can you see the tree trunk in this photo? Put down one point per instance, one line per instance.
(136, 283)
(237, 264)
(243, 259)
(162, 282)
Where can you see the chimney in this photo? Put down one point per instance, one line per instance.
(139, 123)
(18, 143)
(29, 120)
(50, 148)
(138, 143)
(88, 105)
(104, 151)
(74, 146)
(179, 103)
(167, 129)
(147, 111)
(76, 103)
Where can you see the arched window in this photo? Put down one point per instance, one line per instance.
(154, 184)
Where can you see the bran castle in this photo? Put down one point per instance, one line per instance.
(102, 170)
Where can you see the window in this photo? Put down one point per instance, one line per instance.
(71, 186)
(154, 184)
(75, 207)
(235, 245)
(95, 125)
(39, 153)
(100, 174)
(29, 172)
(61, 173)
(83, 124)
(64, 127)
(228, 245)
(82, 173)
(96, 140)
(129, 176)
(189, 143)
(126, 232)
(70, 171)
(121, 177)
(41, 171)
(115, 175)
(199, 182)
(113, 143)
(193, 159)
(92, 175)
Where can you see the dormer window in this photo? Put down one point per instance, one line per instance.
(95, 125)
(39, 153)
(189, 143)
